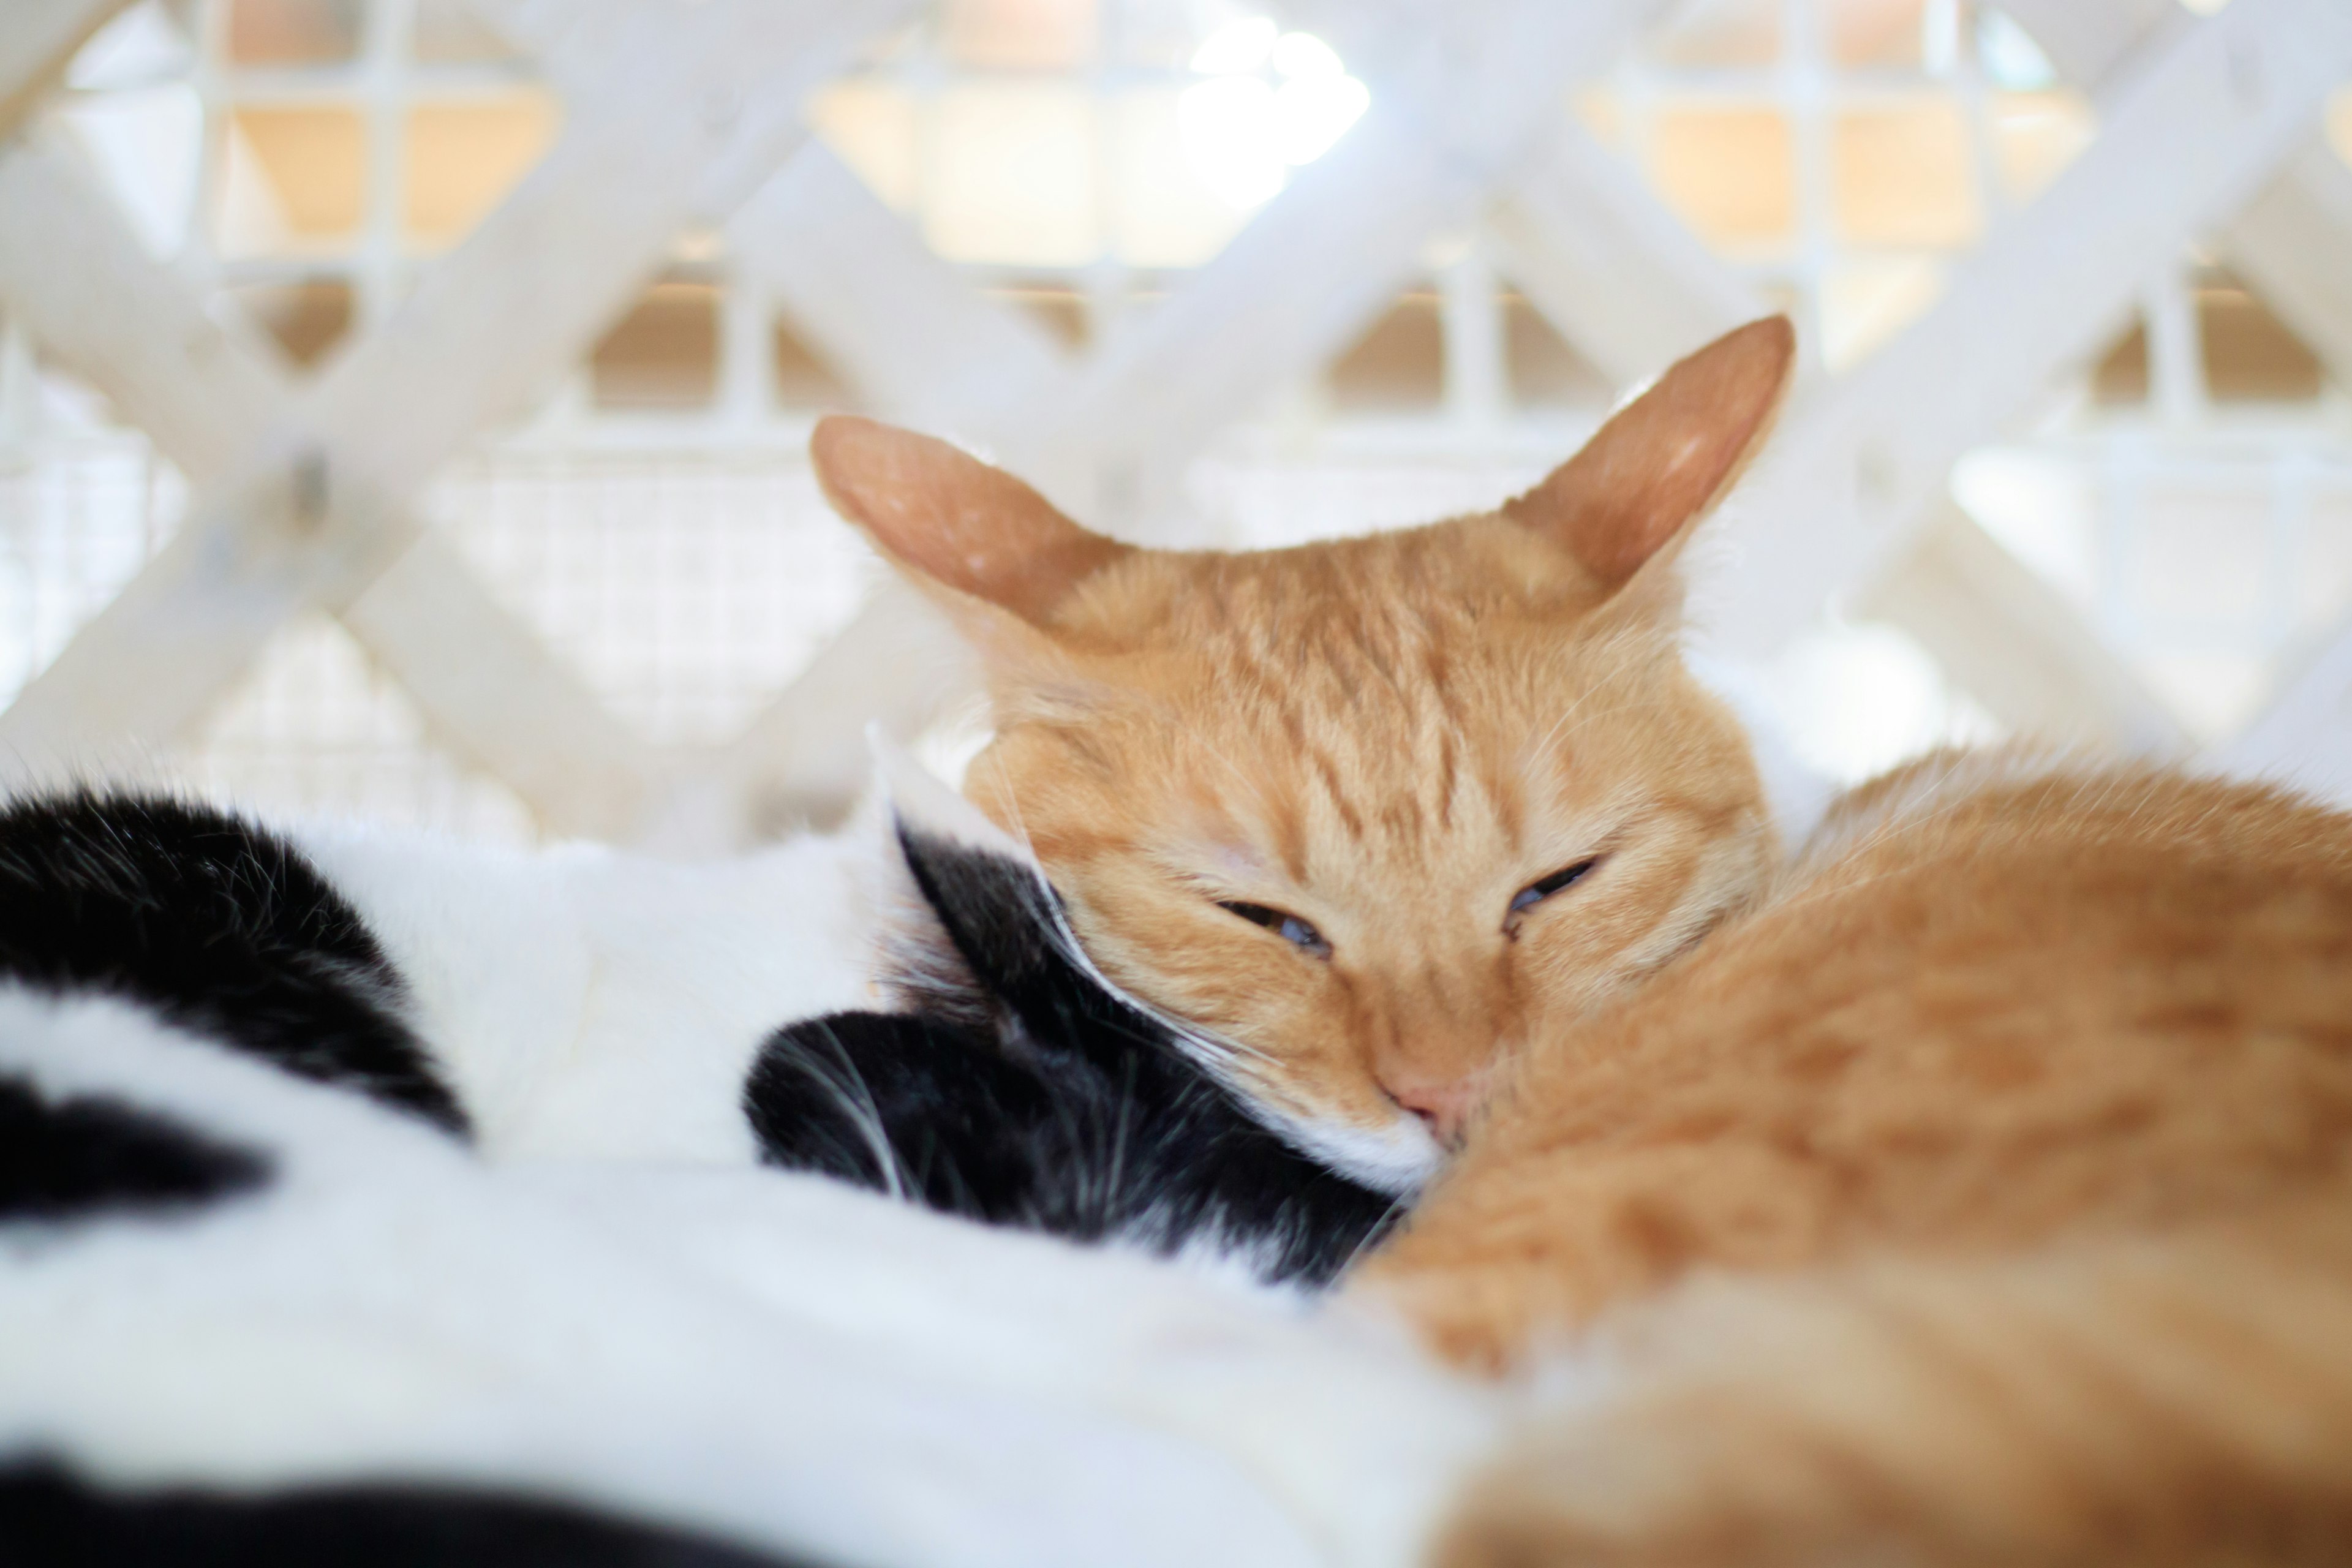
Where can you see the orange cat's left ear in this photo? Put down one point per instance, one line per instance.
(1661, 462)
(952, 522)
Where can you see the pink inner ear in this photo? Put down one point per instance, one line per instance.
(944, 515)
(1663, 461)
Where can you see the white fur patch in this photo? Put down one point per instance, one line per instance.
(584, 1001)
(779, 1359)
(1398, 1158)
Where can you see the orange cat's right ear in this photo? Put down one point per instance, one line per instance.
(954, 523)
(1661, 462)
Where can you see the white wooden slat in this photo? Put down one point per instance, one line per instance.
(907, 330)
(2221, 105)
(145, 667)
(2293, 241)
(2008, 640)
(423, 596)
(207, 393)
(1621, 277)
(572, 41)
(495, 693)
(901, 324)
(1464, 95)
(910, 333)
(202, 389)
(1461, 95)
(1301, 278)
(804, 759)
(2292, 244)
(1616, 272)
(71, 269)
(2095, 43)
(2305, 738)
(903, 327)
(688, 112)
(1476, 376)
(1632, 288)
(693, 105)
(891, 316)
(1289, 292)
(540, 28)
(38, 39)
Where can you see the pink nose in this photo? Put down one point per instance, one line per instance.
(1445, 1104)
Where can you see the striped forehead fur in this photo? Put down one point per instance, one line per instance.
(1399, 670)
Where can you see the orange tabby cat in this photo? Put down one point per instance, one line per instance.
(1974, 1192)
(1365, 812)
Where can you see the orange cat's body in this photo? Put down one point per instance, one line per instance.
(1973, 1190)
(1984, 1195)
(1979, 1016)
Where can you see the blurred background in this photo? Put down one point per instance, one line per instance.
(403, 404)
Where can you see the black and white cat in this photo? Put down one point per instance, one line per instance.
(329, 1080)
(583, 1002)
(1017, 1086)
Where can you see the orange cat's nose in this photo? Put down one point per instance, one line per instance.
(1445, 1104)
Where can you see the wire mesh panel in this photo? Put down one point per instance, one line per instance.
(318, 729)
(687, 585)
(79, 515)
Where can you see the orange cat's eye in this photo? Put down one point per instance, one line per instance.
(1287, 926)
(1536, 892)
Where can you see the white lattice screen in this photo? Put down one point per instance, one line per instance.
(1083, 170)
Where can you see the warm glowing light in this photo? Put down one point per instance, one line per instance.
(1236, 47)
(1230, 135)
(1272, 100)
(1312, 112)
(1304, 55)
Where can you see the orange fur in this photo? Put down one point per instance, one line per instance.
(2150, 1399)
(1976, 1191)
(1978, 1016)
(1983, 1195)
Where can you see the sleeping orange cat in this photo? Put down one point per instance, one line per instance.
(1972, 1188)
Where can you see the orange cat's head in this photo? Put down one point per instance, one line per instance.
(1364, 813)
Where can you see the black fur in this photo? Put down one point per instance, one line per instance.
(51, 1520)
(1075, 1112)
(221, 927)
(87, 1155)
